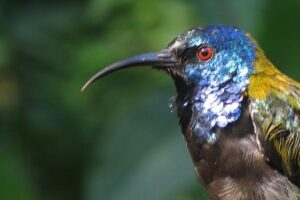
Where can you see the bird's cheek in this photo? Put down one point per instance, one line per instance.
(193, 73)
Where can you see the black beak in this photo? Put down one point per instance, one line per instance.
(163, 60)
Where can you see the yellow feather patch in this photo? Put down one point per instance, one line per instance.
(266, 79)
(282, 126)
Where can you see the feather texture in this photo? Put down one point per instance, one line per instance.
(275, 101)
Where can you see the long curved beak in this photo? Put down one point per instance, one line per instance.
(163, 59)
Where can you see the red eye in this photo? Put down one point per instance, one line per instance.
(205, 53)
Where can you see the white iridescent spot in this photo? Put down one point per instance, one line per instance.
(185, 104)
(244, 71)
(231, 65)
(213, 123)
(231, 107)
(176, 44)
(215, 103)
(205, 111)
(226, 77)
(214, 82)
(212, 138)
(211, 98)
(220, 91)
(217, 108)
(222, 121)
(209, 90)
(206, 105)
(240, 99)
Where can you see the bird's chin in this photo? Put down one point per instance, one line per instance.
(176, 74)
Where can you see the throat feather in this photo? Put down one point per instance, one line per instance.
(215, 107)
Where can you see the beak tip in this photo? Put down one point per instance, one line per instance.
(85, 86)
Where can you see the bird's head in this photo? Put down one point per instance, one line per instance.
(202, 56)
(216, 60)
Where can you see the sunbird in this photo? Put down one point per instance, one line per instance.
(240, 116)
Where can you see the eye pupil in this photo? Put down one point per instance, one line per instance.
(205, 53)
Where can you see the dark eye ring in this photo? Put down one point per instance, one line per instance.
(205, 53)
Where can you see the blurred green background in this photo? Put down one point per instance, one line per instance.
(118, 140)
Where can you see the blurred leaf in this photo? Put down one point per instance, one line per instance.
(15, 183)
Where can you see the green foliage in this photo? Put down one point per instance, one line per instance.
(15, 183)
(117, 140)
